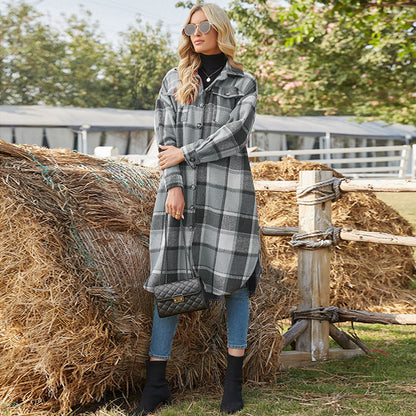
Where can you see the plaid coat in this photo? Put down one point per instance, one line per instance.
(218, 238)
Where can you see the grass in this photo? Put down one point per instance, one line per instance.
(403, 202)
(383, 383)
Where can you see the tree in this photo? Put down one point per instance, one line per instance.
(137, 67)
(76, 66)
(340, 57)
(30, 55)
(82, 77)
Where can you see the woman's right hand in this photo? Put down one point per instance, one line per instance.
(175, 203)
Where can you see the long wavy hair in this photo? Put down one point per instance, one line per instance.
(190, 60)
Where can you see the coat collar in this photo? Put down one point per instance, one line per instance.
(228, 70)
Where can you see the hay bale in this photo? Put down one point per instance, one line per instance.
(366, 276)
(74, 320)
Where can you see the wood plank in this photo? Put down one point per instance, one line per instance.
(342, 338)
(374, 237)
(378, 185)
(340, 354)
(293, 359)
(335, 314)
(313, 268)
(279, 231)
(280, 186)
(347, 185)
(348, 234)
(294, 331)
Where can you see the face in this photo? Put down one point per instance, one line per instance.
(204, 43)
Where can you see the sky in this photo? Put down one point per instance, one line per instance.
(116, 15)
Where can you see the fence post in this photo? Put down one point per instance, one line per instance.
(405, 154)
(413, 157)
(314, 268)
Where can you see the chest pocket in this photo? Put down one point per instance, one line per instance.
(181, 110)
(220, 104)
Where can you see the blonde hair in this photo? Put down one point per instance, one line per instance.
(190, 60)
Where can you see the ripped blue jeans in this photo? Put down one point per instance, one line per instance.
(237, 305)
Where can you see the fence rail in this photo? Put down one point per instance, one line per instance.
(347, 185)
(315, 192)
(361, 161)
(394, 159)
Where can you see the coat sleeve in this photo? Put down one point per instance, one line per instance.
(229, 139)
(165, 132)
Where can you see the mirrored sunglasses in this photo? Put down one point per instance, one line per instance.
(204, 27)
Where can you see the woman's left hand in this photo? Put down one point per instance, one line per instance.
(170, 156)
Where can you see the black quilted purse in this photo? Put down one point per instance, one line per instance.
(181, 296)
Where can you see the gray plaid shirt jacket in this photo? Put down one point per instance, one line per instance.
(218, 239)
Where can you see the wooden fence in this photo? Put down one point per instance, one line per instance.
(313, 323)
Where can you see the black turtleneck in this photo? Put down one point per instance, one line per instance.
(211, 66)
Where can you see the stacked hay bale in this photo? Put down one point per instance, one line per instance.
(74, 319)
(364, 276)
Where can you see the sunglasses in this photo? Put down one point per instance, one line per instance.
(204, 27)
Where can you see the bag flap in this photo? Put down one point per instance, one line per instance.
(176, 289)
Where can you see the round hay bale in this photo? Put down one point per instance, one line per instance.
(75, 321)
(366, 276)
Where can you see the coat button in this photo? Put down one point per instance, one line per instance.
(193, 187)
(227, 93)
(192, 159)
(199, 125)
(202, 105)
(191, 207)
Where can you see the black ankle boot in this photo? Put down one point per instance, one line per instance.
(156, 389)
(232, 400)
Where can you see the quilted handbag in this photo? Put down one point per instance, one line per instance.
(181, 296)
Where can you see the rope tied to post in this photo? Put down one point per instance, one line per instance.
(332, 194)
(330, 236)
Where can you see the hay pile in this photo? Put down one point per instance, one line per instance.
(366, 276)
(74, 319)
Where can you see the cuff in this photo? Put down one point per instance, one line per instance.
(191, 157)
(173, 181)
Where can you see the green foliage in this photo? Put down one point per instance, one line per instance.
(188, 4)
(330, 57)
(310, 58)
(138, 66)
(77, 67)
(26, 45)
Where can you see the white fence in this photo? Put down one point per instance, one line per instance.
(376, 161)
(355, 162)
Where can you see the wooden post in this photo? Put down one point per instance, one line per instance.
(314, 268)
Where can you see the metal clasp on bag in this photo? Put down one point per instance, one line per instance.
(179, 299)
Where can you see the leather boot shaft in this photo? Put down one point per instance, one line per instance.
(232, 400)
(156, 389)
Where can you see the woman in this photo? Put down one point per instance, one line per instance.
(204, 113)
